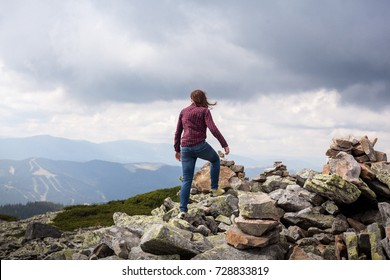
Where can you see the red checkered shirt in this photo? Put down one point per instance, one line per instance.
(195, 121)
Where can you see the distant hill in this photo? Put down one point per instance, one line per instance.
(124, 151)
(55, 148)
(68, 183)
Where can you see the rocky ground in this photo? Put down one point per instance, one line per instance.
(341, 213)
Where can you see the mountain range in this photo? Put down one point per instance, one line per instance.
(46, 168)
(69, 182)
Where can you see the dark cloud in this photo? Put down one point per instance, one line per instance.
(232, 49)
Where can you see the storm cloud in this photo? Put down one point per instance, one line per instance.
(142, 51)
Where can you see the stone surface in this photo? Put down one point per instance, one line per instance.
(382, 172)
(240, 240)
(333, 187)
(368, 148)
(136, 223)
(309, 217)
(202, 178)
(255, 227)
(162, 239)
(294, 199)
(351, 242)
(257, 206)
(40, 230)
(227, 252)
(345, 166)
(374, 233)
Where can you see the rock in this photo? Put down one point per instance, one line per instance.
(364, 244)
(240, 240)
(255, 227)
(137, 223)
(384, 213)
(300, 254)
(356, 225)
(121, 240)
(380, 156)
(333, 187)
(237, 168)
(382, 172)
(136, 253)
(276, 182)
(340, 225)
(374, 233)
(366, 191)
(366, 172)
(309, 217)
(102, 251)
(351, 242)
(303, 175)
(324, 238)
(368, 148)
(221, 205)
(236, 183)
(293, 199)
(330, 207)
(379, 188)
(163, 239)
(258, 206)
(202, 181)
(386, 246)
(340, 248)
(343, 144)
(223, 219)
(345, 166)
(226, 252)
(39, 230)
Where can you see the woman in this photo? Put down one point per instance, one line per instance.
(194, 120)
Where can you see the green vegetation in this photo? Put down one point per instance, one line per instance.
(73, 217)
(7, 218)
(30, 209)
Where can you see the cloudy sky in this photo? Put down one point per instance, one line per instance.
(288, 75)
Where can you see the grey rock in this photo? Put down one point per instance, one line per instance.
(333, 187)
(40, 230)
(226, 252)
(163, 239)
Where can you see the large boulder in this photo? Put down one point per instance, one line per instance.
(202, 182)
(164, 239)
(258, 206)
(345, 166)
(309, 217)
(39, 230)
(333, 187)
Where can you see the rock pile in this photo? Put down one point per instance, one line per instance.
(232, 176)
(257, 224)
(341, 213)
(359, 163)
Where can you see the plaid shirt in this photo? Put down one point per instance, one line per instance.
(195, 121)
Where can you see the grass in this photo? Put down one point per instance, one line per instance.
(78, 216)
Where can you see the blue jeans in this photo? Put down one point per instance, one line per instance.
(189, 156)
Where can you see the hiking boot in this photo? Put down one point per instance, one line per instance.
(181, 215)
(217, 192)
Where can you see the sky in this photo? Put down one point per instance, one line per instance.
(288, 76)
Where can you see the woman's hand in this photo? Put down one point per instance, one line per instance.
(177, 156)
(227, 150)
